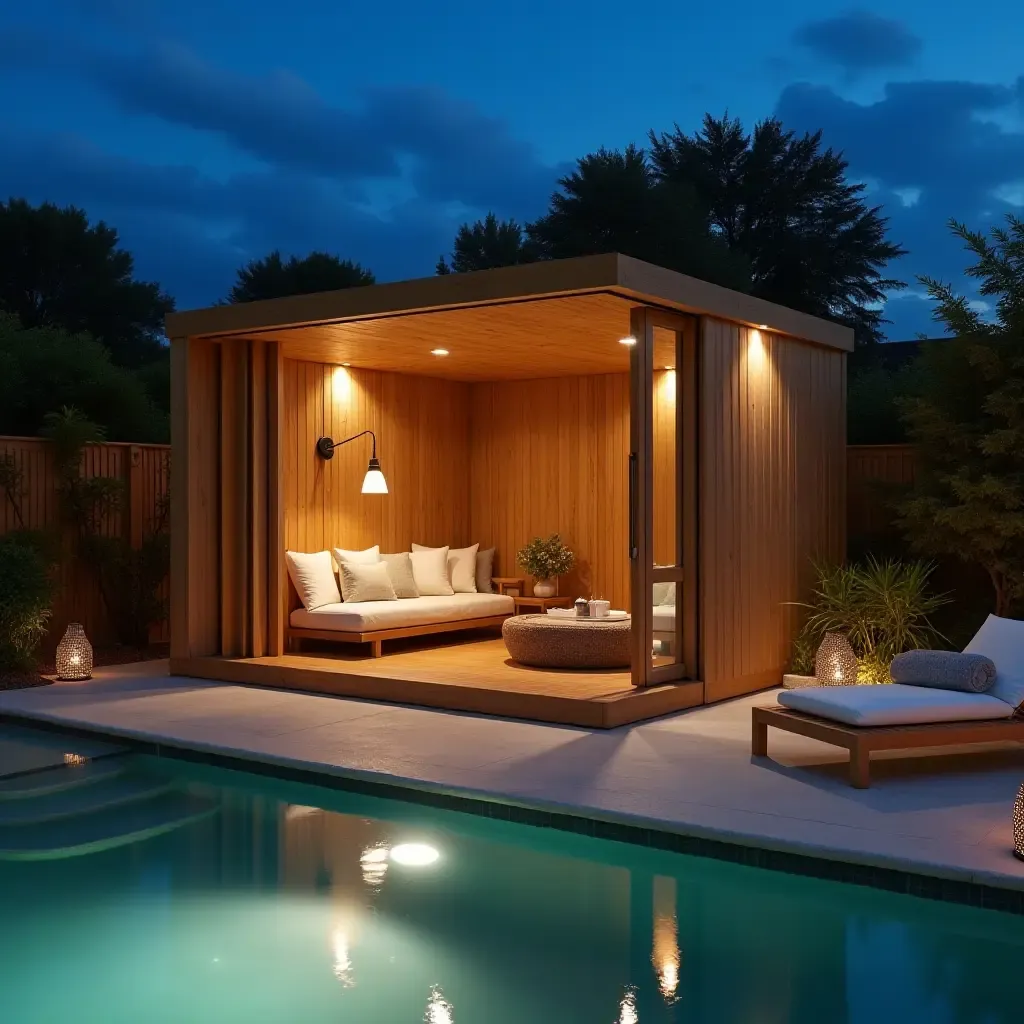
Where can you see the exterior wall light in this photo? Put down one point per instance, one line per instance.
(373, 482)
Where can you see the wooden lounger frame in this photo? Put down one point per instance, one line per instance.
(376, 637)
(862, 740)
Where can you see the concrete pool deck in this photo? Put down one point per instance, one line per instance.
(944, 816)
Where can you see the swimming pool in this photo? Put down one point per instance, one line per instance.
(254, 901)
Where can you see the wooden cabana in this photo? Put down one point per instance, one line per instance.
(684, 439)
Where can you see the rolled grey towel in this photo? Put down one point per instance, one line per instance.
(944, 670)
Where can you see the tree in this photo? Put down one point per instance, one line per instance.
(967, 421)
(58, 271)
(811, 242)
(43, 368)
(486, 244)
(273, 277)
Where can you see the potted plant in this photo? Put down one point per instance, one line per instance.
(545, 560)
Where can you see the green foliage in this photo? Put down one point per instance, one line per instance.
(546, 558)
(485, 244)
(26, 595)
(967, 422)
(57, 271)
(44, 368)
(873, 405)
(882, 607)
(787, 207)
(273, 277)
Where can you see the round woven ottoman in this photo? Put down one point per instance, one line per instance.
(546, 642)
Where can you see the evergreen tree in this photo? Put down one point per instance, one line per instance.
(273, 277)
(967, 421)
(485, 244)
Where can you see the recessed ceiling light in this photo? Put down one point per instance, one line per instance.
(669, 367)
(346, 364)
(439, 351)
(763, 327)
(628, 340)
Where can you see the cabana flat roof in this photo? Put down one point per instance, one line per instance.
(556, 316)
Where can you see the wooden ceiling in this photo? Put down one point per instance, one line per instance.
(547, 337)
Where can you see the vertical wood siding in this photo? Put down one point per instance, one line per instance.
(773, 486)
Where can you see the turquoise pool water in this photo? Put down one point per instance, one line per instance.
(278, 903)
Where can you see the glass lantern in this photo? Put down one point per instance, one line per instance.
(74, 654)
(1018, 824)
(835, 664)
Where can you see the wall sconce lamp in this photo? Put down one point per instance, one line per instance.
(373, 482)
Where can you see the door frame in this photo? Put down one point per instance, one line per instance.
(643, 574)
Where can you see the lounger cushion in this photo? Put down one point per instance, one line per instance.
(416, 611)
(312, 573)
(664, 618)
(894, 704)
(944, 670)
(1002, 640)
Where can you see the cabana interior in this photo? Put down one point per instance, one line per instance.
(506, 405)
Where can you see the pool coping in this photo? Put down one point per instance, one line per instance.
(790, 857)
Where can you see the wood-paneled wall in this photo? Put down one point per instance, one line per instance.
(773, 435)
(551, 455)
(422, 428)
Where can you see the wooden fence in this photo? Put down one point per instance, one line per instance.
(144, 469)
(869, 469)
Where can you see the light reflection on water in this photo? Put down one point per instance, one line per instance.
(277, 910)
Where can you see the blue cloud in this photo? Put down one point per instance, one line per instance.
(860, 41)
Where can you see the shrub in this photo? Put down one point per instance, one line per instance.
(882, 607)
(546, 558)
(26, 593)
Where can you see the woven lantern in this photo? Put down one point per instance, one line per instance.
(1018, 824)
(835, 664)
(74, 654)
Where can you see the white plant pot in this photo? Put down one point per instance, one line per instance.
(545, 588)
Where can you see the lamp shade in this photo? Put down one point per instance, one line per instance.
(1018, 824)
(374, 482)
(835, 664)
(74, 654)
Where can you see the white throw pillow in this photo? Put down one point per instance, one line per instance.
(402, 577)
(312, 574)
(1002, 640)
(484, 571)
(366, 557)
(430, 570)
(366, 581)
(461, 567)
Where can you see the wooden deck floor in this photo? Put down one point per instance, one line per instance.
(465, 674)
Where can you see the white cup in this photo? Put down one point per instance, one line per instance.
(599, 609)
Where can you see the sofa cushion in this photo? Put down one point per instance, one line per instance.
(892, 704)
(484, 571)
(364, 557)
(461, 566)
(417, 611)
(312, 574)
(400, 571)
(1002, 640)
(430, 569)
(362, 582)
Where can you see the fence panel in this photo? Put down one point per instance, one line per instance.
(145, 472)
(867, 467)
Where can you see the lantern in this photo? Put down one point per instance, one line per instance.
(835, 664)
(74, 654)
(1018, 824)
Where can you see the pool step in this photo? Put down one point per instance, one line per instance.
(60, 779)
(103, 829)
(110, 790)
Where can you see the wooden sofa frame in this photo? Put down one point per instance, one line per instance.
(862, 740)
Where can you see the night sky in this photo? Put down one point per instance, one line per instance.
(210, 133)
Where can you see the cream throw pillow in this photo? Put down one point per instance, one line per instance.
(365, 557)
(430, 569)
(366, 581)
(484, 571)
(402, 577)
(313, 576)
(461, 567)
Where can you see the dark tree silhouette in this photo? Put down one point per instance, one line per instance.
(786, 205)
(485, 244)
(273, 277)
(57, 270)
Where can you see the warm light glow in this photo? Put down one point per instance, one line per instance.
(672, 368)
(439, 351)
(342, 960)
(75, 759)
(628, 340)
(414, 854)
(757, 357)
(341, 384)
(439, 1010)
(763, 327)
(627, 1007)
(374, 482)
(374, 862)
(665, 954)
(75, 659)
(346, 364)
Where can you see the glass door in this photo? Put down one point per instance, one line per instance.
(663, 496)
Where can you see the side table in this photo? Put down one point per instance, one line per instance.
(541, 604)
